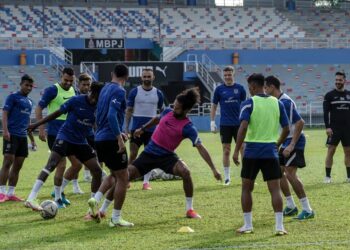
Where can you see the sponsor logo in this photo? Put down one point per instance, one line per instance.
(162, 70)
(66, 98)
(85, 122)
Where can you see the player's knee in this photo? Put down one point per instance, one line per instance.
(96, 172)
(227, 151)
(7, 163)
(185, 173)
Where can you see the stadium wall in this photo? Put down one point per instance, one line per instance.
(290, 56)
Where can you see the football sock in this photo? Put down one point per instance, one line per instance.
(58, 193)
(248, 220)
(3, 189)
(227, 173)
(116, 214)
(105, 205)
(64, 183)
(75, 183)
(147, 177)
(328, 172)
(11, 191)
(305, 204)
(33, 194)
(189, 203)
(290, 202)
(279, 221)
(98, 196)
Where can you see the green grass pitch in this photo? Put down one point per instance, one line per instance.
(159, 213)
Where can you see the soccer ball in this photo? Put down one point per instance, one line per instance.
(49, 209)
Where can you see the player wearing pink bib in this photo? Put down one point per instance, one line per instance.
(173, 127)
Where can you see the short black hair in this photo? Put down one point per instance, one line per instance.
(257, 79)
(340, 73)
(272, 80)
(27, 78)
(96, 88)
(188, 98)
(121, 70)
(68, 71)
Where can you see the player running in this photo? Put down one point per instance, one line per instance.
(229, 95)
(261, 117)
(15, 120)
(71, 140)
(291, 154)
(143, 103)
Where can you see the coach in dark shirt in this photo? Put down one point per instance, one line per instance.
(336, 110)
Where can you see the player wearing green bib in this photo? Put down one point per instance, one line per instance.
(261, 117)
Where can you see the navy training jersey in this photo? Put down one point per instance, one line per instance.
(19, 108)
(110, 112)
(258, 150)
(230, 99)
(293, 117)
(80, 120)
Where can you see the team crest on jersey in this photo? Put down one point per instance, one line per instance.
(8, 146)
(60, 142)
(235, 91)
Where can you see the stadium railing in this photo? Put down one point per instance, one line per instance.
(257, 43)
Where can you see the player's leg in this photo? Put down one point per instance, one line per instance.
(298, 187)
(122, 179)
(54, 160)
(9, 149)
(291, 208)
(272, 174)
(181, 169)
(332, 143)
(20, 155)
(347, 162)
(13, 178)
(226, 135)
(145, 138)
(72, 174)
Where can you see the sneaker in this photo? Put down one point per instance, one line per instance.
(244, 230)
(65, 200)
(290, 211)
(14, 198)
(60, 204)
(227, 182)
(94, 209)
(33, 204)
(129, 185)
(192, 214)
(281, 232)
(347, 180)
(3, 198)
(146, 186)
(327, 180)
(77, 190)
(305, 215)
(121, 223)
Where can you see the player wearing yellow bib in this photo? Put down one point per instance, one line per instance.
(53, 97)
(261, 117)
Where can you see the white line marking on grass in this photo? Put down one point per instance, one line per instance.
(267, 245)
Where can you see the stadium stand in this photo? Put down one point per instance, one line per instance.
(10, 77)
(80, 22)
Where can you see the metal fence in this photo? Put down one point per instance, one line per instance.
(312, 112)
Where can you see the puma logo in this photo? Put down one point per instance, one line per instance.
(161, 70)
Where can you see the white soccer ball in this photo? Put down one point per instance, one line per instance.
(49, 209)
